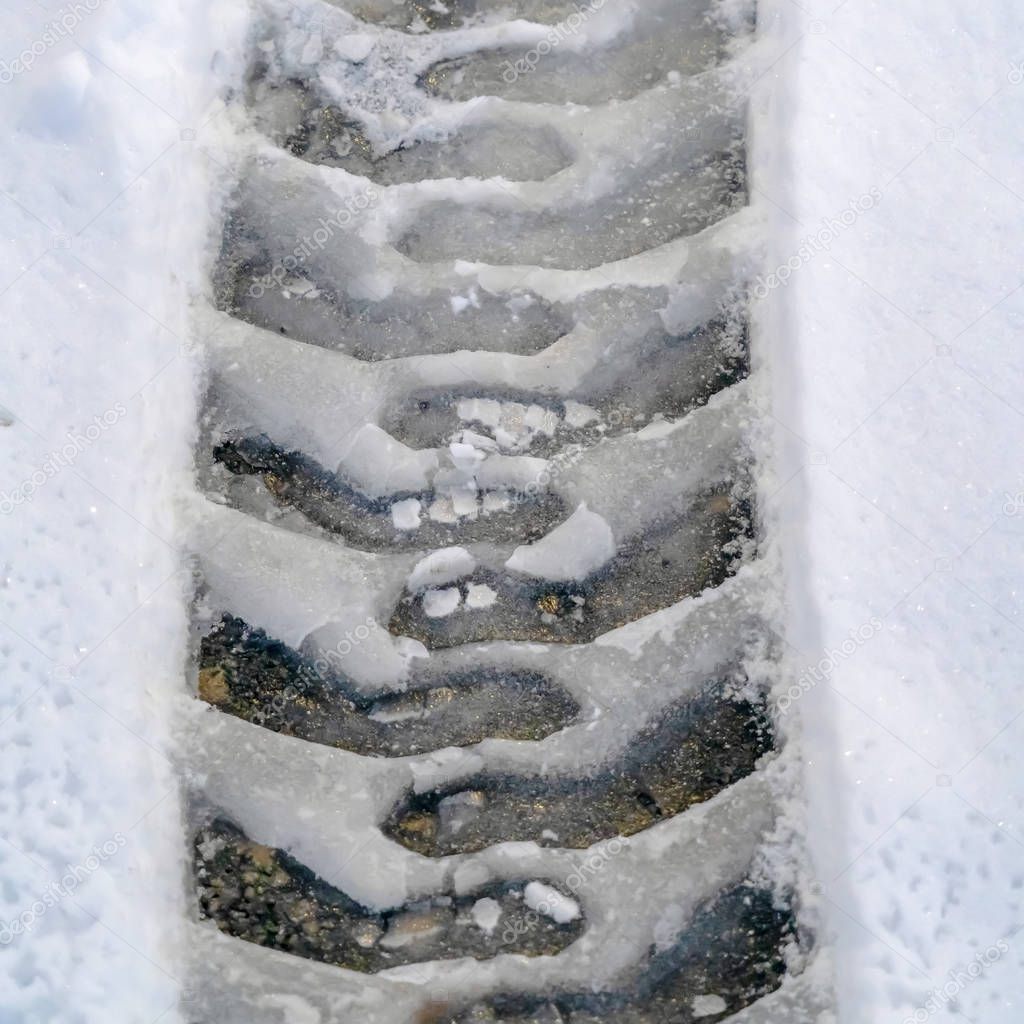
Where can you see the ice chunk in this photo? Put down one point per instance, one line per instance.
(414, 926)
(515, 472)
(708, 1006)
(463, 302)
(379, 465)
(438, 604)
(480, 596)
(439, 567)
(478, 441)
(480, 410)
(572, 551)
(551, 903)
(406, 514)
(496, 501)
(464, 501)
(464, 455)
(442, 510)
(514, 425)
(487, 914)
(455, 812)
(537, 419)
(579, 415)
(354, 47)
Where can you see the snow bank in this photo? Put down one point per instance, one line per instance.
(892, 309)
(101, 219)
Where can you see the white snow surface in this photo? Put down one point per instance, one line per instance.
(895, 505)
(103, 215)
(897, 365)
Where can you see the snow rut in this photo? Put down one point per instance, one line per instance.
(479, 643)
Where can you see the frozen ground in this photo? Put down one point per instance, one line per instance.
(897, 495)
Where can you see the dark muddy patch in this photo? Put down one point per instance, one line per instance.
(433, 16)
(245, 673)
(260, 280)
(295, 481)
(671, 376)
(265, 896)
(294, 116)
(674, 199)
(696, 750)
(732, 954)
(669, 562)
(663, 39)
